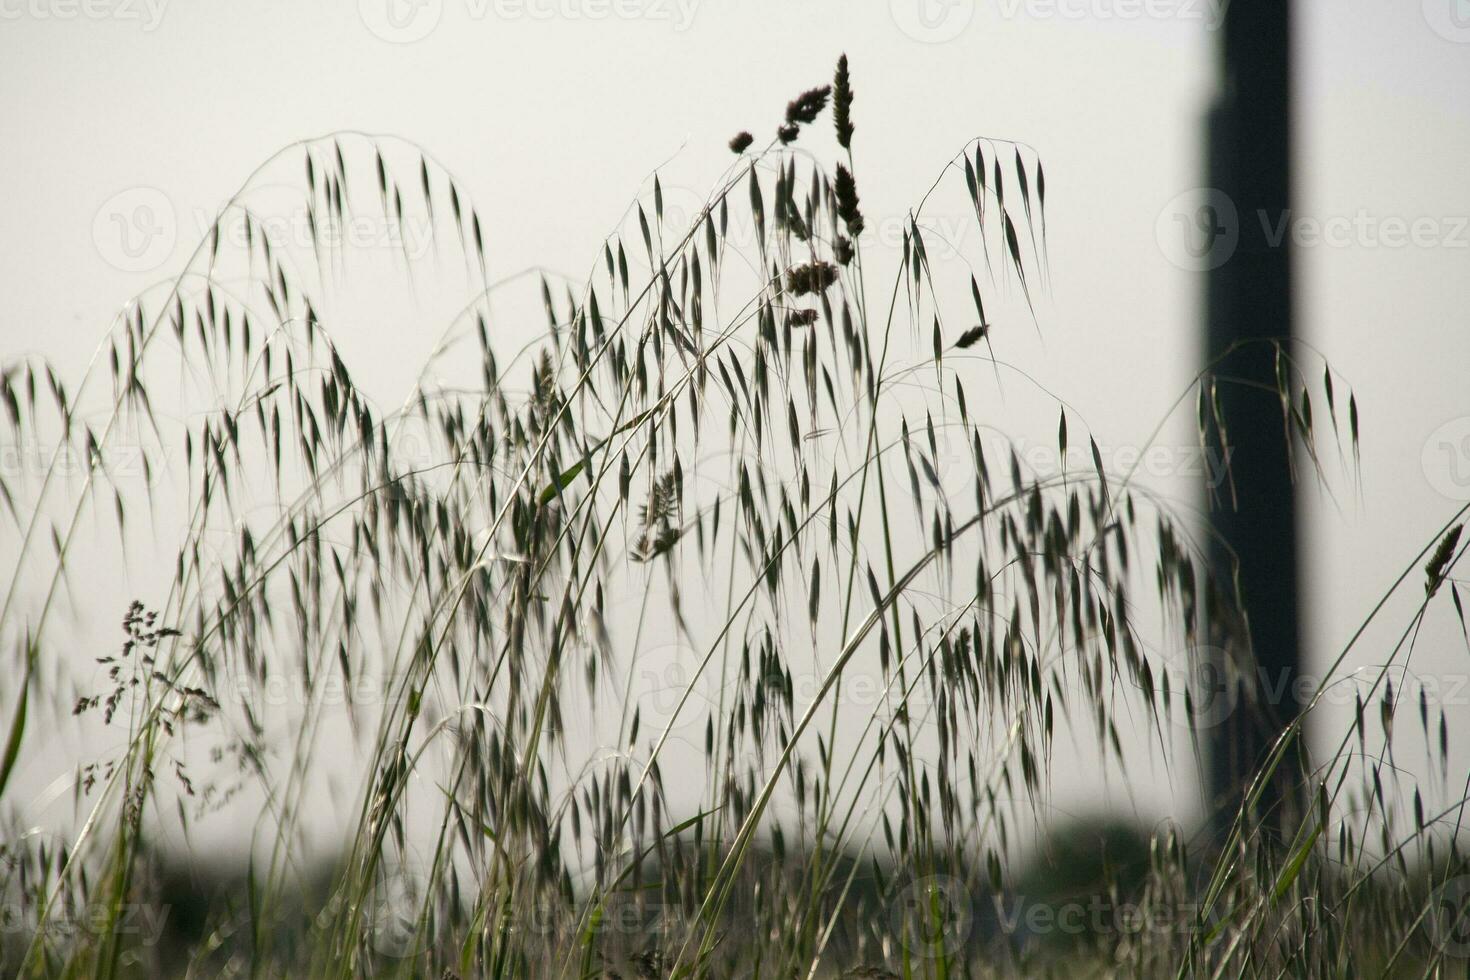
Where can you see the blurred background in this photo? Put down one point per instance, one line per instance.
(127, 124)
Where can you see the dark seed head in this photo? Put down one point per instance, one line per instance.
(842, 104)
(805, 107)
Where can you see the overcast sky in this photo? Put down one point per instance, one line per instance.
(124, 124)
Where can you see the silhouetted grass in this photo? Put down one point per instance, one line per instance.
(712, 633)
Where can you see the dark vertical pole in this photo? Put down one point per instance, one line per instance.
(1250, 299)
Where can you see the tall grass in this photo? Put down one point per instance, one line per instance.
(712, 633)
